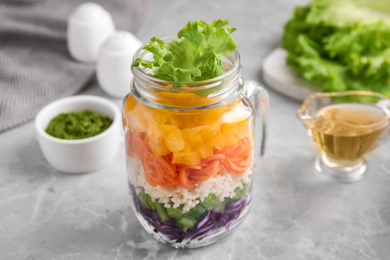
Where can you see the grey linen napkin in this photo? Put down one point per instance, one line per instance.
(35, 65)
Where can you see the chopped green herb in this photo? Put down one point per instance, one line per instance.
(78, 125)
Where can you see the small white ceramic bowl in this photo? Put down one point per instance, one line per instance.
(83, 155)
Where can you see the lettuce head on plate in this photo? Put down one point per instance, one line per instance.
(341, 44)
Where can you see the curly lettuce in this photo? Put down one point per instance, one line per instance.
(195, 55)
(341, 44)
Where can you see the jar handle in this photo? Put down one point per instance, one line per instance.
(258, 97)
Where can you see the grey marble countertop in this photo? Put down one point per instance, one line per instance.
(296, 214)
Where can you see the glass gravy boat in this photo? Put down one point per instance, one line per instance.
(345, 126)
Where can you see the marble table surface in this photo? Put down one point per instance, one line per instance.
(296, 214)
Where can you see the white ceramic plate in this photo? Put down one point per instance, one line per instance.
(283, 79)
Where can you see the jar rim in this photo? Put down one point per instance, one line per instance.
(188, 86)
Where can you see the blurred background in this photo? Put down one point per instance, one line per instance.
(46, 214)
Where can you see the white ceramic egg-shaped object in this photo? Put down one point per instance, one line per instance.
(114, 63)
(88, 27)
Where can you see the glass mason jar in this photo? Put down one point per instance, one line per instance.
(191, 151)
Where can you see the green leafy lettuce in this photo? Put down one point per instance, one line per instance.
(195, 55)
(341, 44)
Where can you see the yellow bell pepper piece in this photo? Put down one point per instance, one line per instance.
(210, 134)
(158, 147)
(174, 140)
(165, 129)
(187, 158)
(161, 117)
(196, 141)
(205, 151)
(153, 131)
(243, 131)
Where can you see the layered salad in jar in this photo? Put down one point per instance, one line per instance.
(189, 170)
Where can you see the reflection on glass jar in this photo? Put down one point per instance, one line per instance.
(190, 154)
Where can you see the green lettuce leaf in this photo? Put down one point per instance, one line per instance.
(341, 44)
(195, 55)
